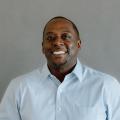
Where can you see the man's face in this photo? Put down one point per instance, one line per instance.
(61, 43)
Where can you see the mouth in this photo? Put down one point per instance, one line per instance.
(58, 52)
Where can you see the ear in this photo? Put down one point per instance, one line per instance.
(79, 43)
(43, 48)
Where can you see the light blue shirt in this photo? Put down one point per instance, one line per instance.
(85, 94)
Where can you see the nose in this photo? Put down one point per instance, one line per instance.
(58, 41)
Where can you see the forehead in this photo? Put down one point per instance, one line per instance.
(59, 24)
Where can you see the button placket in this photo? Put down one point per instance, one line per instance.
(59, 103)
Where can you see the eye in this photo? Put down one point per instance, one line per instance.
(51, 37)
(66, 36)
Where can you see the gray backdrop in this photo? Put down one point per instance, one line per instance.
(21, 25)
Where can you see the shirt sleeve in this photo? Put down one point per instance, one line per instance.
(9, 106)
(113, 99)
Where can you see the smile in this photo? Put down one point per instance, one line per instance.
(58, 52)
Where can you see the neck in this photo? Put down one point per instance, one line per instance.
(60, 72)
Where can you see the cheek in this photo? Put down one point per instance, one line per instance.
(73, 49)
(46, 50)
(45, 46)
(72, 45)
(68, 44)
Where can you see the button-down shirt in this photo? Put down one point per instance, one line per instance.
(85, 94)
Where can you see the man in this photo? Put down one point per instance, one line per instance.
(64, 89)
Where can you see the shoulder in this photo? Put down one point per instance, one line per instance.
(98, 76)
(109, 84)
(25, 79)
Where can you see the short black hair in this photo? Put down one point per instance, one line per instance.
(61, 17)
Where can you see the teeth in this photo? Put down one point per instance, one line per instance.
(58, 52)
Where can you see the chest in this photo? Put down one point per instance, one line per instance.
(60, 103)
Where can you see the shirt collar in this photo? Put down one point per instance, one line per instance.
(77, 71)
(45, 72)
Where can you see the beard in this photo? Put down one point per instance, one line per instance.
(59, 65)
(64, 62)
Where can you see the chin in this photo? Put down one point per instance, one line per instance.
(59, 64)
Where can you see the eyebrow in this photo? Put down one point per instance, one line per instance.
(66, 31)
(50, 33)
